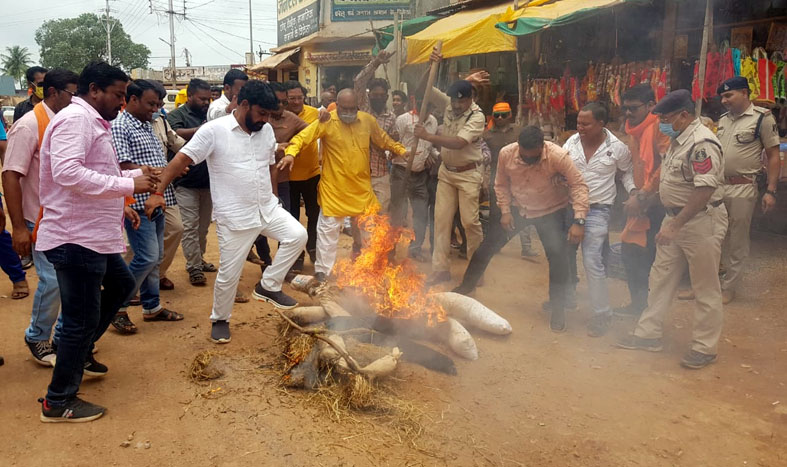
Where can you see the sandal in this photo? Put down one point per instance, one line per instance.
(240, 298)
(163, 315)
(123, 324)
(196, 277)
(208, 267)
(21, 290)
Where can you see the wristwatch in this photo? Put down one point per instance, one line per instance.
(579, 221)
(770, 192)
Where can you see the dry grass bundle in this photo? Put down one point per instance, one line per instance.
(297, 349)
(204, 367)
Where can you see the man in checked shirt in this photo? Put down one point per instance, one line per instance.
(136, 145)
(373, 99)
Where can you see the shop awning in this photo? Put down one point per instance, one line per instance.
(409, 27)
(533, 18)
(467, 32)
(275, 60)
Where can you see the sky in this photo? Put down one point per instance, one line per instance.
(215, 32)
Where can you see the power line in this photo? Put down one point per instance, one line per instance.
(198, 36)
(203, 25)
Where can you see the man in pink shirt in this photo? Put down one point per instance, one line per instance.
(20, 184)
(82, 193)
(528, 195)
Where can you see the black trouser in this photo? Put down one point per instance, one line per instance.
(552, 230)
(261, 243)
(638, 260)
(308, 190)
(93, 286)
(417, 194)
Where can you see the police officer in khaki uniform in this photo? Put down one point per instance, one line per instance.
(744, 132)
(691, 235)
(460, 176)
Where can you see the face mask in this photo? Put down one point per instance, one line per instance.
(39, 92)
(156, 115)
(348, 118)
(667, 129)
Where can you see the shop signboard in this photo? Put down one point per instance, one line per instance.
(365, 10)
(297, 19)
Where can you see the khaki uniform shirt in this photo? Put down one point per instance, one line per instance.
(469, 126)
(742, 150)
(693, 160)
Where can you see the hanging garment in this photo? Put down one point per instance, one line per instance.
(661, 89)
(749, 71)
(765, 71)
(736, 62)
(712, 75)
(695, 82)
(727, 68)
(778, 77)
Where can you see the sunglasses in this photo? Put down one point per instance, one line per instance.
(501, 114)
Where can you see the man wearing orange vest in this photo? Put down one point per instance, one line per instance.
(21, 186)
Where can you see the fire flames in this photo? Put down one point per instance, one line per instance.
(392, 290)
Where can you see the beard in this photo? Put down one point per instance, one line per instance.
(377, 105)
(253, 126)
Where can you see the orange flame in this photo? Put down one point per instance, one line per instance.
(393, 290)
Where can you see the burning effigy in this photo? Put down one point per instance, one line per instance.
(375, 313)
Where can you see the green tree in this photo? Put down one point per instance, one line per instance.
(16, 61)
(74, 42)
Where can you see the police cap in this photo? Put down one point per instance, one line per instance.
(738, 82)
(460, 89)
(673, 101)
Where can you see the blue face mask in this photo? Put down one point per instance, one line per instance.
(667, 129)
(156, 115)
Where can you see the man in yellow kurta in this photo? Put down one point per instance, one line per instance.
(345, 187)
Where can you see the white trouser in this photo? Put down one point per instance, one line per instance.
(234, 246)
(328, 230)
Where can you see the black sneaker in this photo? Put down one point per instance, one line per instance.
(599, 324)
(220, 332)
(632, 342)
(297, 267)
(74, 411)
(312, 255)
(695, 360)
(571, 306)
(42, 351)
(278, 299)
(628, 311)
(94, 368)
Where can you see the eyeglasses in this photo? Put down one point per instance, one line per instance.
(73, 94)
(630, 108)
(295, 98)
(668, 118)
(501, 114)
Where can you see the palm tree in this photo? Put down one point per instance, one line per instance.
(16, 60)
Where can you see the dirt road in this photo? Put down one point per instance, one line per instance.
(533, 399)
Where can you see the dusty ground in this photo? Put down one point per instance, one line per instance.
(533, 399)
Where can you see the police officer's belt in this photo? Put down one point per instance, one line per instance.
(675, 211)
(739, 180)
(461, 168)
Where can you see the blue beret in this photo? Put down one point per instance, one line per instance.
(673, 101)
(738, 82)
(460, 89)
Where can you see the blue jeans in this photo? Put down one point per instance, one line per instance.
(9, 260)
(46, 301)
(593, 246)
(147, 242)
(92, 288)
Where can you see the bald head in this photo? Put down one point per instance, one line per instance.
(347, 105)
(326, 98)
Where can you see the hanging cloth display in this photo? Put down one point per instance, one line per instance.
(749, 71)
(727, 68)
(661, 89)
(712, 75)
(695, 82)
(765, 71)
(736, 61)
(778, 77)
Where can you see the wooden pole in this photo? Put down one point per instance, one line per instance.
(397, 47)
(520, 86)
(706, 35)
(433, 67)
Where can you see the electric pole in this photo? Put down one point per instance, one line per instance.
(108, 28)
(251, 36)
(171, 42)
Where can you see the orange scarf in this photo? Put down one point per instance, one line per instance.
(43, 122)
(637, 227)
